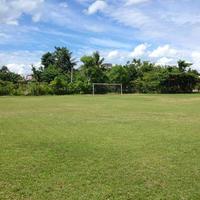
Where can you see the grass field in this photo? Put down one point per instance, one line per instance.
(96, 148)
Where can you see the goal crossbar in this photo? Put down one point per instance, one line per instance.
(107, 84)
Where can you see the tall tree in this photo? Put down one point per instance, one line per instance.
(91, 68)
(63, 59)
(7, 75)
(97, 59)
(48, 59)
(183, 65)
(37, 73)
(118, 74)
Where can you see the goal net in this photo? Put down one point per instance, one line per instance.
(103, 88)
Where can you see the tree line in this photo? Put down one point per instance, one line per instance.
(58, 75)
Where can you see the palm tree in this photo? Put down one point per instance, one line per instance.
(183, 65)
(97, 59)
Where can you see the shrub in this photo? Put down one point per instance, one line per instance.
(59, 86)
(20, 89)
(38, 89)
(6, 88)
(82, 87)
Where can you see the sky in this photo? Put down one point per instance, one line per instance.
(161, 31)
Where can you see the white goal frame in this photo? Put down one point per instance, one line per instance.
(107, 84)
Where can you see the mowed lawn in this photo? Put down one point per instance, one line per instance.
(100, 148)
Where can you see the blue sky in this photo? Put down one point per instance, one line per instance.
(161, 31)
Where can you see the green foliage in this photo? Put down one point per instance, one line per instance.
(6, 88)
(98, 61)
(6, 75)
(63, 59)
(48, 59)
(183, 82)
(81, 87)
(37, 89)
(37, 74)
(58, 76)
(92, 70)
(183, 65)
(25, 89)
(59, 86)
(57, 63)
(48, 74)
(148, 83)
(118, 74)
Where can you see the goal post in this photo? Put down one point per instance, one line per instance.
(107, 85)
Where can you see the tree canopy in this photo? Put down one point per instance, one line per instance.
(54, 76)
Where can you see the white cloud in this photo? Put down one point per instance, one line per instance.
(66, 17)
(164, 61)
(36, 17)
(3, 35)
(12, 10)
(139, 51)
(134, 2)
(113, 54)
(118, 20)
(196, 55)
(130, 17)
(196, 60)
(20, 61)
(108, 43)
(116, 56)
(19, 68)
(143, 51)
(122, 56)
(63, 4)
(96, 6)
(163, 51)
(94, 28)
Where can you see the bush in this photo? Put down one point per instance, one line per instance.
(38, 89)
(6, 88)
(149, 83)
(59, 86)
(32, 89)
(20, 89)
(82, 87)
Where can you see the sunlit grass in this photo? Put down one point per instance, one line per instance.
(101, 147)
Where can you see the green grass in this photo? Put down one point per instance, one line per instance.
(96, 148)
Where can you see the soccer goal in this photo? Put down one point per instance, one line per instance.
(102, 88)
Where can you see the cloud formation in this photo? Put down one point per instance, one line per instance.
(12, 10)
(20, 61)
(134, 2)
(159, 31)
(139, 51)
(162, 51)
(99, 5)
